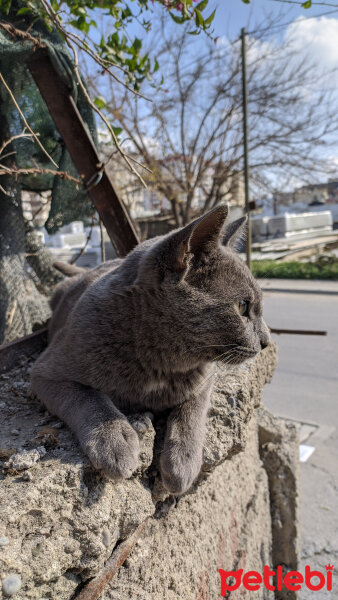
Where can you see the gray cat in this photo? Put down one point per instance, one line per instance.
(144, 332)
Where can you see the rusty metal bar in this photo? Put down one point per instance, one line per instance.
(95, 587)
(13, 352)
(84, 155)
(297, 331)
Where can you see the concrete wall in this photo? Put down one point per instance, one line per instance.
(60, 521)
(224, 525)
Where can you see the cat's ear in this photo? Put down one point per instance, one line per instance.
(235, 232)
(200, 235)
(173, 252)
(208, 228)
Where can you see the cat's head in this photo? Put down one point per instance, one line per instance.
(205, 299)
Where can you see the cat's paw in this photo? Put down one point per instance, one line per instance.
(180, 466)
(113, 448)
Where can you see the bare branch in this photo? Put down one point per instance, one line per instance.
(191, 135)
(24, 35)
(15, 171)
(10, 140)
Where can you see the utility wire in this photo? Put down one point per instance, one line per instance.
(301, 3)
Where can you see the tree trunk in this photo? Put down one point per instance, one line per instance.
(187, 208)
(176, 212)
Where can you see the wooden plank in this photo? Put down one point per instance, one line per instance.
(12, 353)
(83, 153)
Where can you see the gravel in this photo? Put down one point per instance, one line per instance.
(4, 541)
(11, 584)
(25, 459)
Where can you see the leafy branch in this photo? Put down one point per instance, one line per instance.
(111, 52)
(116, 49)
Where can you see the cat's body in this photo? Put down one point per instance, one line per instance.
(143, 333)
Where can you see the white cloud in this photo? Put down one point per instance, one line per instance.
(317, 39)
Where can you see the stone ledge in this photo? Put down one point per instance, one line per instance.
(279, 452)
(63, 521)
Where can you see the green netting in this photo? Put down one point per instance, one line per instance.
(26, 273)
(68, 203)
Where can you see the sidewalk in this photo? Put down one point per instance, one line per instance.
(304, 389)
(300, 286)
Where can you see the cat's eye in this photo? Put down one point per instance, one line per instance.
(243, 308)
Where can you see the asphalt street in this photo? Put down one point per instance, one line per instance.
(305, 389)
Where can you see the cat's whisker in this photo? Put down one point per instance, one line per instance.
(216, 346)
(248, 352)
(209, 346)
(223, 356)
(199, 387)
(229, 358)
(211, 373)
(226, 359)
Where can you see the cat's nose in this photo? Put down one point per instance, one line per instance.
(264, 334)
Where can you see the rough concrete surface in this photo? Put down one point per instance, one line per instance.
(60, 523)
(223, 525)
(278, 444)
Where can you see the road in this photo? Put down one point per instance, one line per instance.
(305, 388)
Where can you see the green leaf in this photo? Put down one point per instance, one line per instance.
(117, 130)
(100, 102)
(137, 44)
(178, 20)
(246, 1)
(307, 4)
(80, 24)
(210, 19)
(5, 6)
(202, 5)
(24, 11)
(199, 18)
(156, 66)
(126, 12)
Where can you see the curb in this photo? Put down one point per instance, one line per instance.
(300, 291)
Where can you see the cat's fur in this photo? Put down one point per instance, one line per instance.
(144, 332)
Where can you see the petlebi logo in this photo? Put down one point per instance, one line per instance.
(275, 579)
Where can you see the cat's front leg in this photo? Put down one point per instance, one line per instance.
(103, 431)
(181, 458)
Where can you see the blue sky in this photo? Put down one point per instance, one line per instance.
(314, 32)
(231, 15)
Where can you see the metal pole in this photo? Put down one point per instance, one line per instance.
(245, 146)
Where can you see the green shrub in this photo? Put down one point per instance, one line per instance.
(296, 270)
